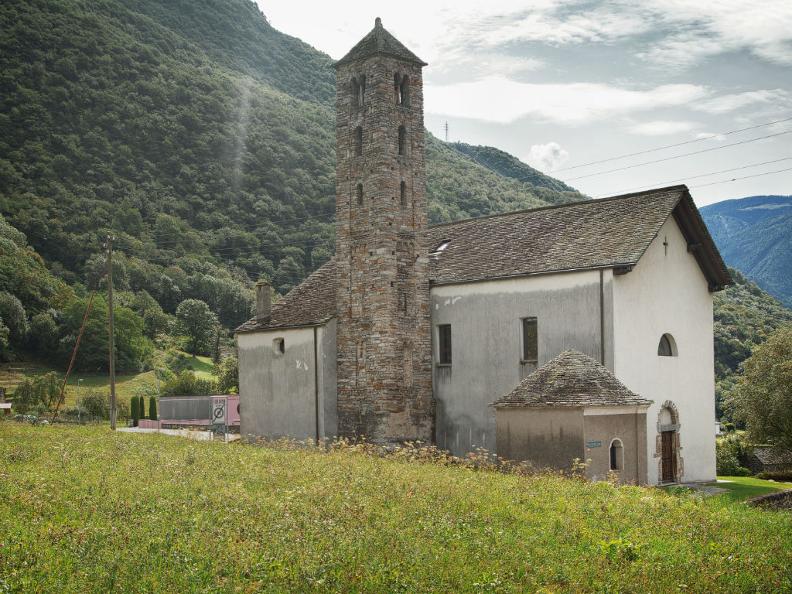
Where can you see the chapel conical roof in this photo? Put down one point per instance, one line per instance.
(571, 379)
(379, 41)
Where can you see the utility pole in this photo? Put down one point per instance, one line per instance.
(446, 130)
(111, 326)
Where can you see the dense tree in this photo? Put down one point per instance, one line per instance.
(14, 317)
(762, 398)
(198, 324)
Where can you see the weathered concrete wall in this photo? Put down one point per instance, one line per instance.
(277, 390)
(550, 438)
(486, 332)
(601, 427)
(668, 293)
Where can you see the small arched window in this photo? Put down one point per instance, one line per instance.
(667, 346)
(403, 194)
(401, 85)
(359, 140)
(360, 194)
(402, 139)
(616, 455)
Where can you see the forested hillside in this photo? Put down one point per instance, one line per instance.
(745, 316)
(755, 235)
(199, 135)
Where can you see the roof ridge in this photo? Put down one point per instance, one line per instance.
(680, 187)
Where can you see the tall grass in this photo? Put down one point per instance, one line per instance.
(86, 510)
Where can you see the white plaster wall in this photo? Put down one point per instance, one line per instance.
(668, 293)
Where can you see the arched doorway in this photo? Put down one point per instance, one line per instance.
(667, 452)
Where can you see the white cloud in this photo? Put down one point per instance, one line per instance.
(661, 127)
(498, 99)
(546, 157)
(732, 102)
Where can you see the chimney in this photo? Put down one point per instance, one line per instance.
(263, 300)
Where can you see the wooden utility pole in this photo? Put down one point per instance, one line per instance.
(111, 326)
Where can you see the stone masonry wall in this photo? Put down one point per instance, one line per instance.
(384, 332)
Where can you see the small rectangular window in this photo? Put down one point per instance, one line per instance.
(444, 344)
(530, 349)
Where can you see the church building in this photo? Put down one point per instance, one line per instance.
(582, 330)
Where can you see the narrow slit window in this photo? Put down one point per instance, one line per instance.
(279, 346)
(360, 194)
(444, 344)
(359, 140)
(403, 194)
(400, 88)
(402, 139)
(530, 336)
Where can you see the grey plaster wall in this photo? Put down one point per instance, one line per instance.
(486, 331)
(277, 390)
(328, 422)
(550, 438)
(630, 428)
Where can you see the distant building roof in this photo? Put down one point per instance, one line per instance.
(310, 303)
(768, 455)
(607, 233)
(379, 41)
(571, 379)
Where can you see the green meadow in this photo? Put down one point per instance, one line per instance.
(83, 509)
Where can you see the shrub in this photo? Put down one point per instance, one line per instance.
(141, 402)
(153, 408)
(188, 384)
(776, 475)
(133, 405)
(730, 453)
(95, 404)
(228, 375)
(36, 394)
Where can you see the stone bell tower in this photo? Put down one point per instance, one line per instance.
(383, 332)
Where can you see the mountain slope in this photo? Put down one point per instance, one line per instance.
(755, 235)
(507, 165)
(189, 130)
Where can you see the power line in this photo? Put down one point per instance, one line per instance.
(714, 148)
(682, 179)
(667, 146)
(726, 181)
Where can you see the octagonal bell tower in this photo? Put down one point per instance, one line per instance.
(383, 333)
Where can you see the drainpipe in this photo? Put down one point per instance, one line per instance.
(602, 315)
(316, 381)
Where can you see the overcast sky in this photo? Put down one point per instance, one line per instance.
(563, 83)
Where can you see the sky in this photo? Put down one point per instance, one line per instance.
(564, 84)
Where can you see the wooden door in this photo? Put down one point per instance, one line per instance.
(668, 457)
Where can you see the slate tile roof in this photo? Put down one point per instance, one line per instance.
(310, 303)
(379, 41)
(602, 233)
(571, 379)
(606, 233)
(773, 455)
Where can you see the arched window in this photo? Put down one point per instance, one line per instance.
(360, 194)
(359, 140)
(401, 85)
(403, 194)
(667, 346)
(402, 139)
(616, 455)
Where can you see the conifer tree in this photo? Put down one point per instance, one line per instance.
(153, 408)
